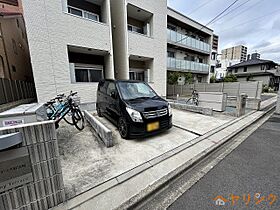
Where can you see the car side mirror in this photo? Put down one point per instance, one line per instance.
(113, 94)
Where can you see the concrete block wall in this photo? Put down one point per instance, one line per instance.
(103, 132)
(47, 188)
(252, 89)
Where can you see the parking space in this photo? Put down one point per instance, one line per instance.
(193, 122)
(86, 162)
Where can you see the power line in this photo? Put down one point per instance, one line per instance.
(249, 21)
(240, 5)
(202, 5)
(212, 19)
(246, 10)
(222, 12)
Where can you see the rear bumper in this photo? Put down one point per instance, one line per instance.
(139, 130)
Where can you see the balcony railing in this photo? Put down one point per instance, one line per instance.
(188, 66)
(190, 42)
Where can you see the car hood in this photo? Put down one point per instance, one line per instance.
(146, 105)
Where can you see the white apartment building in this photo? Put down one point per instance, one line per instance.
(71, 44)
(139, 40)
(189, 46)
(75, 43)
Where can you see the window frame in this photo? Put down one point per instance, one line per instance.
(83, 13)
(135, 27)
(88, 68)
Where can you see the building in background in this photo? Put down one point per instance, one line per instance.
(14, 52)
(11, 5)
(189, 46)
(214, 55)
(237, 53)
(256, 69)
(255, 56)
(229, 57)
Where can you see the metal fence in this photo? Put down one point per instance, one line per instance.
(252, 89)
(14, 90)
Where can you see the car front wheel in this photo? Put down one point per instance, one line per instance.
(123, 128)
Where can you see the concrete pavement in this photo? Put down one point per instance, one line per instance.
(252, 168)
(125, 188)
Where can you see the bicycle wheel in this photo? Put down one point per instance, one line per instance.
(188, 100)
(69, 119)
(78, 119)
(196, 102)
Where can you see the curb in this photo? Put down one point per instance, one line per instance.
(103, 132)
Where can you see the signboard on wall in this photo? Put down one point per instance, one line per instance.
(11, 2)
(15, 168)
(13, 122)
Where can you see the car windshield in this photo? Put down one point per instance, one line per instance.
(135, 90)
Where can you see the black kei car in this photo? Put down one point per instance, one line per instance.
(134, 107)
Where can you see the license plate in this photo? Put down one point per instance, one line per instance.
(153, 126)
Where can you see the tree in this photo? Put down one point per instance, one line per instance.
(172, 77)
(230, 78)
(213, 79)
(189, 78)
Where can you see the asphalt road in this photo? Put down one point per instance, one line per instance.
(252, 168)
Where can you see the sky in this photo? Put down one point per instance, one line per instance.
(253, 23)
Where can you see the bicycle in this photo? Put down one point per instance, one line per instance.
(62, 107)
(194, 98)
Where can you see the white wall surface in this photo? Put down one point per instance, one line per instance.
(49, 31)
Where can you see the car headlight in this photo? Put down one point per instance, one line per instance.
(135, 115)
(169, 110)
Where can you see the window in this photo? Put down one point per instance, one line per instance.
(111, 88)
(14, 68)
(213, 56)
(130, 91)
(262, 67)
(235, 70)
(136, 76)
(212, 69)
(102, 86)
(88, 74)
(83, 13)
(170, 54)
(135, 29)
(245, 69)
(14, 46)
(200, 60)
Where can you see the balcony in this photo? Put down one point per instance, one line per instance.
(187, 66)
(185, 41)
(139, 20)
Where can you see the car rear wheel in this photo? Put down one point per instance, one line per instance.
(99, 113)
(123, 128)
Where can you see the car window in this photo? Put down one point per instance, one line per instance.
(135, 90)
(102, 87)
(111, 88)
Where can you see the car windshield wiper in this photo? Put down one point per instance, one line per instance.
(139, 98)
